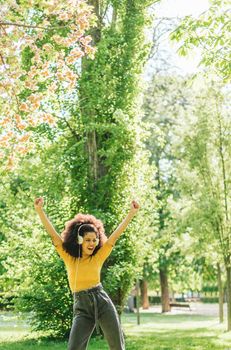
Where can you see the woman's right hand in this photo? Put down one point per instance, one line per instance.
(38, 203)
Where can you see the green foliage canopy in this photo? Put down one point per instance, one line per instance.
(210, 32)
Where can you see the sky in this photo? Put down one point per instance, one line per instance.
(173, 8)
(181, 8)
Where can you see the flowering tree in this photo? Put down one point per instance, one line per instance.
(40, 48)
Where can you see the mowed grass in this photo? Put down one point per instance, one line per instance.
(156, 332)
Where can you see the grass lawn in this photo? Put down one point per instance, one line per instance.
(156, 332)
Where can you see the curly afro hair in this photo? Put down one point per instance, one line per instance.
(69, 235)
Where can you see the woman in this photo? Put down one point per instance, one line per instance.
(84, 247)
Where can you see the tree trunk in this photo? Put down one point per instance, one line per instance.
(144, 294)
(104, 87)
(164, 290)
(86, 108)
(221, 294)
(138, 301)
(228, 272)
(92, 154)
(173, 296)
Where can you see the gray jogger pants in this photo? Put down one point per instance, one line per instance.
(93, 307)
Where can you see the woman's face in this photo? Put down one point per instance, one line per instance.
(89, 243)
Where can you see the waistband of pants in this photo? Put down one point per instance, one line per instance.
(89, 290)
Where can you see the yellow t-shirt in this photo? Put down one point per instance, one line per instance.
(84, 273)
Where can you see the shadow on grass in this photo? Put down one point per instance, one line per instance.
(197, 339)
(45, 343)
(31, 345)
(166, 318)
(157, 332)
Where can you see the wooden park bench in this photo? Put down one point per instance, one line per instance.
(183, 305)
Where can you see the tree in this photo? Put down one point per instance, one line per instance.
(211, 33)
(40, 49)
(205, 153)
(96, 149)
(33, 276)
(165, 103)
(111, 124)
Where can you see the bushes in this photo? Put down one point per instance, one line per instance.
(48, 296)
(210, 300)
(38, 286)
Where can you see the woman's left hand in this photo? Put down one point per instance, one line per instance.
(134, 206)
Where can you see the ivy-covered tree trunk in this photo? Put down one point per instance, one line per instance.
(108, 89)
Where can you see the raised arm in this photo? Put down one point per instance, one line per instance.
(38, 204)
(120, 229)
